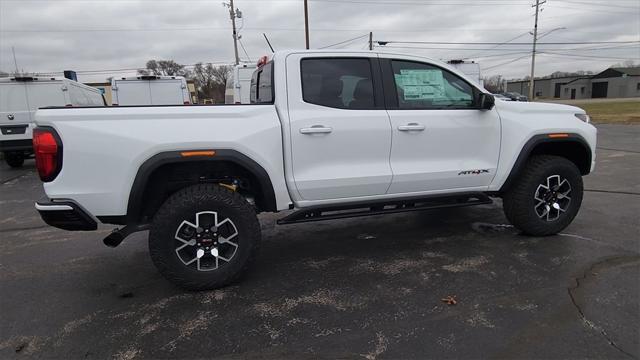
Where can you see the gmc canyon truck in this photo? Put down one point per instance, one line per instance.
(328, 135)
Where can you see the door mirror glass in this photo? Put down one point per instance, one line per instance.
(487, 101)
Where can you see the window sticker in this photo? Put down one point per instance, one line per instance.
(424, 84)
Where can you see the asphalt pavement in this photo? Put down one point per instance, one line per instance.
(355, 288)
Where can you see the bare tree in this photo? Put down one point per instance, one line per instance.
(494, 83)
(164, 67)
(211, 81)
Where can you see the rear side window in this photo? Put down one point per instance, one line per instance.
(342, 83)
(262, 85)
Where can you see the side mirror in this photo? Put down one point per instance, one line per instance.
(487, 101)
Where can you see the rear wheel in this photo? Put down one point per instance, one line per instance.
(546, 197)
(204, 237)
(15, 159)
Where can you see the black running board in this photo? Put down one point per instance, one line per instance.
(386, 207)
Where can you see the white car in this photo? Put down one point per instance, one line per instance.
(330, 134)
(21, 96)
(150, 90)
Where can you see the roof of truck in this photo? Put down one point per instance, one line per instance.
(31, 78)
(149, 77)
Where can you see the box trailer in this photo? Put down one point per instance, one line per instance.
(239, 84)
(150, 90)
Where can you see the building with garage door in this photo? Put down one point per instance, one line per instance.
(615, 82)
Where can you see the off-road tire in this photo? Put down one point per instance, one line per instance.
(14, 159)
(184, 204)
(519, 202)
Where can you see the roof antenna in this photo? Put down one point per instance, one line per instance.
(13, 50)
(268, 43)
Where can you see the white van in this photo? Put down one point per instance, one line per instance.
(239, 84)
(20, 97)
(150, 90)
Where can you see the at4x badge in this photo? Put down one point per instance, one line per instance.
(474, 172)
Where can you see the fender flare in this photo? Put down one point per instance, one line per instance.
(134, 205)
(531, 144)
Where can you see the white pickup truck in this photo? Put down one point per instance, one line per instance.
(330, 135)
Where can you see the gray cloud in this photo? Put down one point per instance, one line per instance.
(121, 34)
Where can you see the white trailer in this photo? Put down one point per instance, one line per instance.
(239, 84)
(471, 69)
(150, 90)
(21, 96)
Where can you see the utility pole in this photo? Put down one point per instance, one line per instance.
(306, 23)
(233, 15)
(533, 52)
(370, 40)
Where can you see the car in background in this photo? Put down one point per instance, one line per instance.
(150, 90)
(514, 96)
(501, 97)
(21, 96)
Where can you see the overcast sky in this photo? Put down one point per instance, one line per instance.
(53, 35)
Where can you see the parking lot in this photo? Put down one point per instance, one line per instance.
(365, 287)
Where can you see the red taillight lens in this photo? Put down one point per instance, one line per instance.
(48, 152)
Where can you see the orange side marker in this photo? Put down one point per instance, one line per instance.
(198, 153)
(558, 135)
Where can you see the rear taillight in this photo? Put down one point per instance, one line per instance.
(48, 151)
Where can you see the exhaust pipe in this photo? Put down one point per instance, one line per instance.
(117, 236)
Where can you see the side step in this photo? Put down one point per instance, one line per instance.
(388, 207)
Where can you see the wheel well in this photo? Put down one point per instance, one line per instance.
(574, 148)
(571, 150)
(157, 181)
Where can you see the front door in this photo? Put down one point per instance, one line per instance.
(573, 93)
(340, 132)
(441, 140)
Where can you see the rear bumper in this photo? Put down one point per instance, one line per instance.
(65, 215)
(16, 145)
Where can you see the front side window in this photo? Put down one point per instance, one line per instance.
(343, 83)
(424, 86)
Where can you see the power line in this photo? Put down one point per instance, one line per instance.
(497, 43)
(344, 42)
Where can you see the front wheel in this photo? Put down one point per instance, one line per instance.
(15, 159)
(204, 237)
(546, 197)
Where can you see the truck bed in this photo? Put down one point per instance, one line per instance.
(121, 139)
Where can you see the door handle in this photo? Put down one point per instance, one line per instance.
(316, 129)
(411, 127)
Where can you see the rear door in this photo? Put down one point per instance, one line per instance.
(15, 115)
(132, 92)
(166, 92)
(340, 131)
(14, 108)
